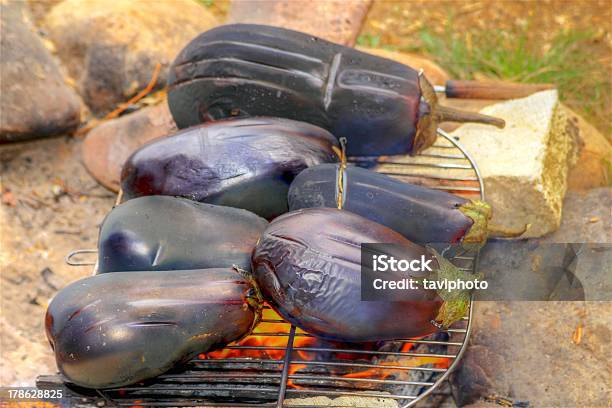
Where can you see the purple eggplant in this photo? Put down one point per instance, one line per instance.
(308, 267)
(163, 233)
(379, 105)
(120, 328)
(245, 163)
(420, 214)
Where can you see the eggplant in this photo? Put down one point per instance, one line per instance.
(308, 267)
(420, 214)
(244, 163)
(164, 233)
(120, 328)
(240, 70)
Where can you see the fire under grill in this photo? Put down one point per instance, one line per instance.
(279, 365)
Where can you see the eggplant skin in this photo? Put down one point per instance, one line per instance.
(166, 233)
(120, 328)
(307, 265)
(420, 214)
(242, 163)
(256, 70)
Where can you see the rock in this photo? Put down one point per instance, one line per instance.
(531, 356)
(433, 72)
(594, 151)
(111, 47)
(38, 9)
(592, 169)
(109, 145)
(525, 165)
(510, 340)
(334, 20)
(586, 217)
(35, 102)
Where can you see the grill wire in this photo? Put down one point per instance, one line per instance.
(298, 369)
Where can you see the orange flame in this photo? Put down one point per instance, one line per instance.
(259, 337)
(276, 345)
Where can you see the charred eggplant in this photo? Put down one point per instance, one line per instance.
(119, 328)
(420, 214)
(379, 105)
(163, 233)
(308, 264)
(246, 163)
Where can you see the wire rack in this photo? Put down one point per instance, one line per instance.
(278, 363)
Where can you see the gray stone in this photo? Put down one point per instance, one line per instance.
(587, 218)
(111, 48)
(550, 353)
(35, 102)
(529, 351)
(592, 168)
(108, 146)
(334, 20)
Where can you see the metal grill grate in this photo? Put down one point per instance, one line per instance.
(278, 363)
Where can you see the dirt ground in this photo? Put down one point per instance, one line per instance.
(398, 21)
(51, 205)
(399, 24)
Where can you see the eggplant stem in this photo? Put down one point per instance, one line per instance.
(254, 300)
(456, 302)
(448, 114)
(500, 232)
(480, 213)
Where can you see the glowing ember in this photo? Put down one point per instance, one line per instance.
(269, 342)
(274, 344)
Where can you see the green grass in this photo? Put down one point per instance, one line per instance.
(583, 83)
(369, 40)
(206, 3)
